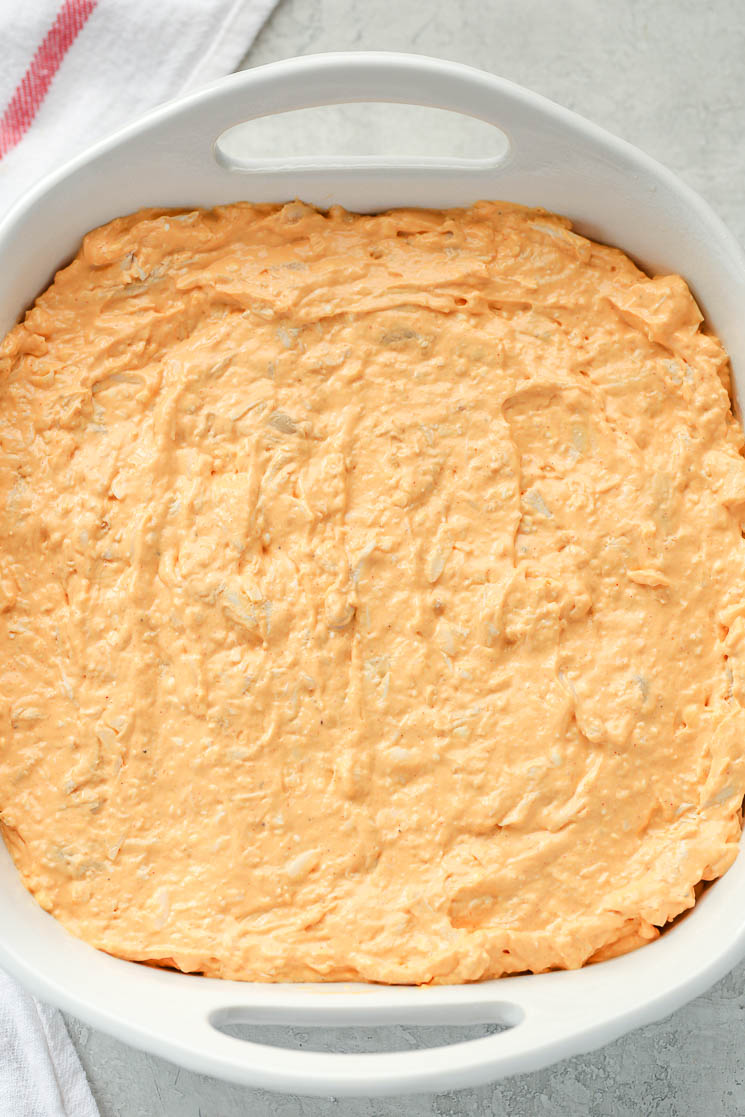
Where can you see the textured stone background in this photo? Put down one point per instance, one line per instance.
(668, 75)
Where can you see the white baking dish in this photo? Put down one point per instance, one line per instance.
(615, 194)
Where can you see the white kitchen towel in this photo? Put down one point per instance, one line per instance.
(40, 1073)
(72, 71)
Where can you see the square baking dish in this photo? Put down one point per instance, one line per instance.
(613, 193)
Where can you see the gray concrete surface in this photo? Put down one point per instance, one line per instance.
(669, 75)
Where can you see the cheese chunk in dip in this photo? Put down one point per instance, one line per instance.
(372, 595)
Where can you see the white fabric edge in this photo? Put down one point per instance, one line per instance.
(72, 1081)
(238, 33)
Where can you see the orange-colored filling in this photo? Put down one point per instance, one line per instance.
(373, 595)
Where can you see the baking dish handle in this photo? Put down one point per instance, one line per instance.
(528, 1040)
(195, 124)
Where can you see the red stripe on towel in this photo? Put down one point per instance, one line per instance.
(34, 86)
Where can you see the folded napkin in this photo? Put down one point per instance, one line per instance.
(71, 72)
(74, 70)
(40, 1073)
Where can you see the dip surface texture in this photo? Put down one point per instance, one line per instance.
(372, 595)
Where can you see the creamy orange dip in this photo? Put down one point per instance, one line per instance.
(373, 595)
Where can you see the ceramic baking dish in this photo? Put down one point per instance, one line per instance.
(615, 194)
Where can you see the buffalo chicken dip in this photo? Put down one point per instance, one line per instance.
(372, 595)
